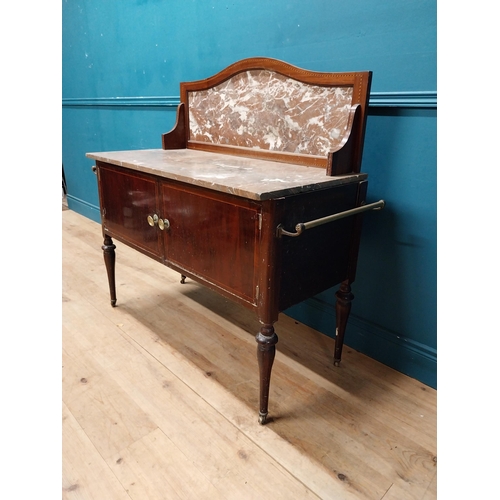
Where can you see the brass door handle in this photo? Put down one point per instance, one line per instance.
(152, 219)
(164, 224)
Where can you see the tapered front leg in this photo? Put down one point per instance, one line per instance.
(343, 308)
(266, 350)
(109, 259)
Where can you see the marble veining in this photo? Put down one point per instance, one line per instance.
(246, 177)
(265, 110)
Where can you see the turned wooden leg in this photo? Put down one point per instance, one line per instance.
(343, 308)
(266, 350)
(109, 259)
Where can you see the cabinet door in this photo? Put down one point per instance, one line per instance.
(127, 199)
(214, 237)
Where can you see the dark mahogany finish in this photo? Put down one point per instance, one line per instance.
(227, 226)
(126, 200)
(231, 243)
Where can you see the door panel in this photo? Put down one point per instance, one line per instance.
(213, 237)
(126, 201)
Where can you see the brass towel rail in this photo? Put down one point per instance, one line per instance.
(302, 226)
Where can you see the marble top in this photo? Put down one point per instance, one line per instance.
(246, 177)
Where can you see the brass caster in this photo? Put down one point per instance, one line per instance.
(183, 279)
(262, 418)
(336, 362)
(113, 303)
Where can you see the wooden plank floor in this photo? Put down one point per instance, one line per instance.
(160, 397)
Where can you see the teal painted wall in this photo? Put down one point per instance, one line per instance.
(122, 63)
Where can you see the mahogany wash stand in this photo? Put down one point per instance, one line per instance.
(256, 192)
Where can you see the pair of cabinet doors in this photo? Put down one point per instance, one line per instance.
(211, 235)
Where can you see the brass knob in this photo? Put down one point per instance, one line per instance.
(163, 224)
(152, 220)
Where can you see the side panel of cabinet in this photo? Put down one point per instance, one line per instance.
(127, 198)
(320, 257)
(213, 237)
